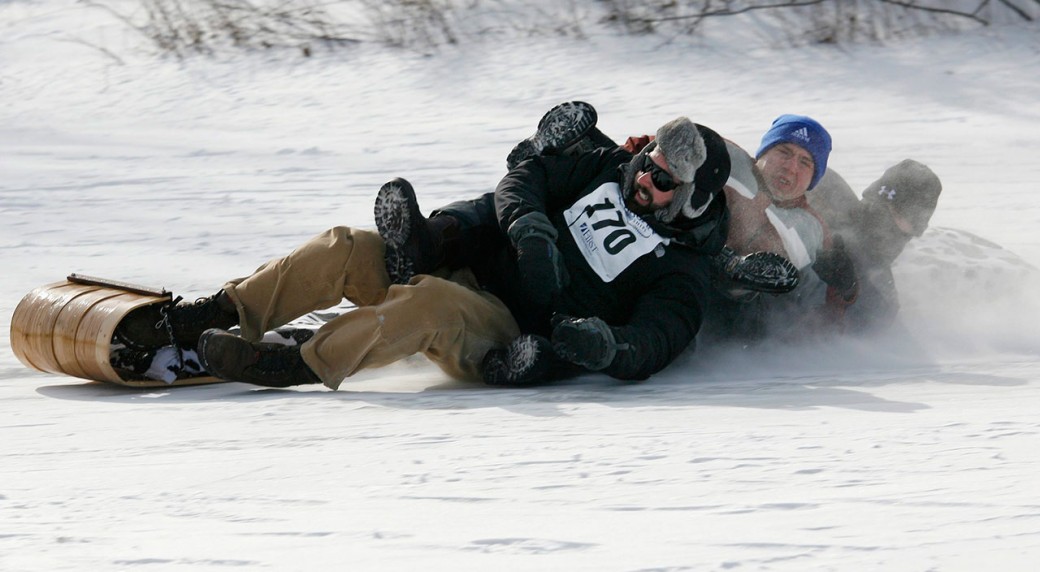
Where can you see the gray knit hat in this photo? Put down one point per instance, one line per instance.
(911, 188)
(684, 151)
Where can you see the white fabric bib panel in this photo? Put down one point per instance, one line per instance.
(609, 236)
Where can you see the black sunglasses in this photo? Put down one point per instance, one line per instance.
(663, 180)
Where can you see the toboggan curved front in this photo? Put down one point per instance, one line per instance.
(67, 328)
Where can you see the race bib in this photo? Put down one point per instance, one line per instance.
(610, 236)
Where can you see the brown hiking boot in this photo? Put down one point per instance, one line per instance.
(561, 128)
(227, 356)
(180, 324)
(527, 360)
(414, 243)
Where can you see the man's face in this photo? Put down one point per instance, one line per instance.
(648, 195)
(788, 170)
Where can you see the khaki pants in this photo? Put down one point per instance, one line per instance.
(450, 320)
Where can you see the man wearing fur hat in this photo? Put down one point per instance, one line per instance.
(595, 256)
(613, 252)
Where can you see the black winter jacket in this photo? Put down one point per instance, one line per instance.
(655, 306)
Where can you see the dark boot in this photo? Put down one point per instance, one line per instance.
(414, 243)
(561, 128)
(154, 326)
(230, 357)
(526, 360)
(758, 271)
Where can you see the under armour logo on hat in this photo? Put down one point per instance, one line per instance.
(887, 192)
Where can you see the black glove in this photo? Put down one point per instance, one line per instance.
(588, 342)
(835, 267)
(542, 272)
(758, 271)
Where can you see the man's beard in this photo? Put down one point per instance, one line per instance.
(628, 182)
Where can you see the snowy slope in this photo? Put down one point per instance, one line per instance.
(915, 451)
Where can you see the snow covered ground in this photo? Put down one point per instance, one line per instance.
(919, 450)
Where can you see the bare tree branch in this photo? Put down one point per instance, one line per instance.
(1022, 13)
(913, 6)
(728, 12)
(910, 5)
(101, 49)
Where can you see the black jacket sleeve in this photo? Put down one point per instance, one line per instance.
(665, 320)
(550, 184)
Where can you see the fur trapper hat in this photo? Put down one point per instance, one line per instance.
(684, 151)
(712, 175)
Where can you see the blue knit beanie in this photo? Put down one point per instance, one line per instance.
(805, 132)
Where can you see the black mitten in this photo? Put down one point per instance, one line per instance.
(542, 272)
(835, 267)
(588, 342)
